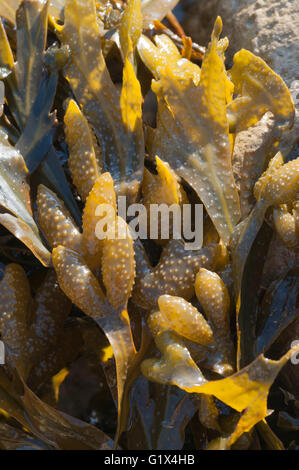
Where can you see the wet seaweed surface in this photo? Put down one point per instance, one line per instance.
(126, 343)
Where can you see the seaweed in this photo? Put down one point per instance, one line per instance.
(181, 347)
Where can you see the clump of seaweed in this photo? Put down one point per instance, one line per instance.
(174, 335)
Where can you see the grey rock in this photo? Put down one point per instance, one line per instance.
(268, 28)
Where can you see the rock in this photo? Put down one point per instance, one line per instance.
(280, 260)
(288, 377)
(199, 20)
(268, 28)
(289, 144)
(250, 159)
